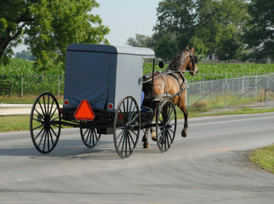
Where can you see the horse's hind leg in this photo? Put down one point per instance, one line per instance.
(145, 139)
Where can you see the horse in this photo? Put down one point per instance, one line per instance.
(171, 82)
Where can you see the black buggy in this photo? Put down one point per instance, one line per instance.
(103, 95)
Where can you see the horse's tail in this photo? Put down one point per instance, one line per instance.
(147, 89)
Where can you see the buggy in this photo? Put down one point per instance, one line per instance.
(103, 95)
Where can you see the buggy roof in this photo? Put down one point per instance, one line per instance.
(139, 51)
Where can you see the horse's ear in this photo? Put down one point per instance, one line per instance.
(192, 50)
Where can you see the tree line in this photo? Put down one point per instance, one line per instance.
(48, 27)
(230, 29)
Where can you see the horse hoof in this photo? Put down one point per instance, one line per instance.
(153, 136)
(184, 133)
(146, 146)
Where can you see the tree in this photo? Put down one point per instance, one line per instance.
(228, 44)
(48, 26)
(24, 55)
(176, 17)
(139, 41)
(166, 47)
(210, 25)
(200, 48)
(259, 34)
(220, 25)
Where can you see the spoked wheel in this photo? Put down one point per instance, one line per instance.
(89, 136)
(45, 123)
(166, 123)
(126, 127)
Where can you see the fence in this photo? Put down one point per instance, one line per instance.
(237, 92)
(243, 91)
(35, 84)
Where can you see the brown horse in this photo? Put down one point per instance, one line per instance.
(171, 82)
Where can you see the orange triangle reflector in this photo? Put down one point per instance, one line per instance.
(84, 111)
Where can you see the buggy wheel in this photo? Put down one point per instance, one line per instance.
(126, 127)
(45, 123)
(89, 136)
(166, 123)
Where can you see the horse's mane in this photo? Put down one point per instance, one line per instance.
(177, 61)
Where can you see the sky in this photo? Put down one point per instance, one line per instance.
(125, 18)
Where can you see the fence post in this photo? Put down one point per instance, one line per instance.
(243, 85)
(22, 86)
(200, 89)
(211, 91)
(267, 92)
(225, 92)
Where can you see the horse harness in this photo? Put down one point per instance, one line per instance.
(174, 74)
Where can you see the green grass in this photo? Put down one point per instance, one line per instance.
(217, 112)
(14, 123)
(21, 123)
(264, 158)
(27, 99)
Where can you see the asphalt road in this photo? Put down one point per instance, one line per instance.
(209, 166)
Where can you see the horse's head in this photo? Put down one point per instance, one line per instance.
(192, 61)
(186, 60)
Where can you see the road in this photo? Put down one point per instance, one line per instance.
(209, 166)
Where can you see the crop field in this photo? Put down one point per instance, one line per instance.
(212, 71)
(25, 79)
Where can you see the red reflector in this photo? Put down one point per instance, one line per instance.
(66, 102)
(110, 106)
(120, 116)
(60, 110)
(84, 111)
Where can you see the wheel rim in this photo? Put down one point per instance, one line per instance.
(89, 136)
(126, 126)
(166, 125)
(44, 120)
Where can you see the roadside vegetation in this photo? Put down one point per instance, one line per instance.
(21, 73)
(21, 123)
(264, 158)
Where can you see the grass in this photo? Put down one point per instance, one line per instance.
(217, 112)
(21, 123)
(14, 123)
(27, 99)
(264, 158)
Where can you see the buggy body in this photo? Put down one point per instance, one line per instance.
(103, 75)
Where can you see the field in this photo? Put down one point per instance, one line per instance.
(26, 80)
(212, 71)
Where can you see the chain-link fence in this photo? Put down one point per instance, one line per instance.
(237, 92)
(35, 84)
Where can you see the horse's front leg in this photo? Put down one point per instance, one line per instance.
(153, 134)
(145, 139)
(184, 110)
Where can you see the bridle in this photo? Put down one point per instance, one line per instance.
(193, 59)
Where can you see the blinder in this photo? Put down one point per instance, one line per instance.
(194, 58)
